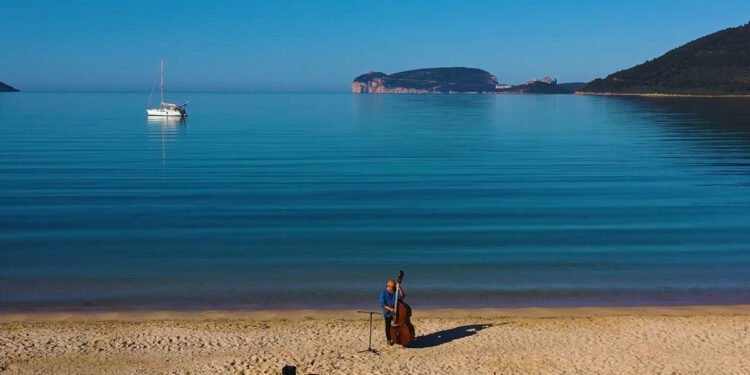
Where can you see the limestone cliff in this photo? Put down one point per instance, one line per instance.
(422, 81)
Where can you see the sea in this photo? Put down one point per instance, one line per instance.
(314, 200)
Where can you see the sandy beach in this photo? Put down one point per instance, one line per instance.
(679, 340)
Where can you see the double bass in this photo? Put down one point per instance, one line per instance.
(402, 331)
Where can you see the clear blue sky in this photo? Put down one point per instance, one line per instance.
(321, 45)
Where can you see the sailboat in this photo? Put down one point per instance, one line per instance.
(165, 108)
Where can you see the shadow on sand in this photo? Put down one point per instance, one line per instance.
(448, 335)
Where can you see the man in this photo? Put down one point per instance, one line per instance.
(387, 300)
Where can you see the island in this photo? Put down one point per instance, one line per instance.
(7, 88)
(453, 80)
(714, 65)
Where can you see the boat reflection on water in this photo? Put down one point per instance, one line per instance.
(166, 128)
(169, 122)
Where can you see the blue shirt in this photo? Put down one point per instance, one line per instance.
(387, 299)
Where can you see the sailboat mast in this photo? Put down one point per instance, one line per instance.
(161, 75)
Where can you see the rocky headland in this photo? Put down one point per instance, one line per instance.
(7, 88)
(714, 65)
(451, 81)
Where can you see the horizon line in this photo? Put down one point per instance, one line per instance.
(187, 91)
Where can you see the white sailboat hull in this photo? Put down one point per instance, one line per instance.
(166, 109)
(164, 112)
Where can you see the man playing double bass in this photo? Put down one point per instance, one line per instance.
(387, 300)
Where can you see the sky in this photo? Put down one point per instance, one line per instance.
(322, 45)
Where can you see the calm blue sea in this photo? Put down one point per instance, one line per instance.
(314, 200)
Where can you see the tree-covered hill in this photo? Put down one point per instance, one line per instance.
(7, 88)
(716, 64)
(430, 80)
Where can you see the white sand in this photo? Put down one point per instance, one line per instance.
(694, 340)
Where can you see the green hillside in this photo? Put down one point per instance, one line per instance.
(716, 64)
(7, 88)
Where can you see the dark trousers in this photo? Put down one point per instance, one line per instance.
(387, 327)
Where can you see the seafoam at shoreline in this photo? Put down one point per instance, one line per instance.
(353, 314)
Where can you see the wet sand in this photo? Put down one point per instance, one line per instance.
(695, 340)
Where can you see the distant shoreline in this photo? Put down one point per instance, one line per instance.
(658, 95)
(352, 314)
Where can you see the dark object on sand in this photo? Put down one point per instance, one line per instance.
(289, 370)
(369, 340)
(402, 331)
